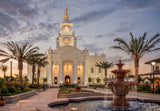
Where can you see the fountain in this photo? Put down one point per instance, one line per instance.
(120, 88)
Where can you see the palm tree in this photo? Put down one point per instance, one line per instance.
(32, 60)
(138, 47)
(41, 63)
(105, 65)
(4, 68)
(18, 53)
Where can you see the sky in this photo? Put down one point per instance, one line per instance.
(96, 23)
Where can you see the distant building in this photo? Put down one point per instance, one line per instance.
(156, 72)
(67, 63)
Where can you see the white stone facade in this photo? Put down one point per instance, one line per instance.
(67, 63)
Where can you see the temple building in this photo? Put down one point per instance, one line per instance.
(69, 64)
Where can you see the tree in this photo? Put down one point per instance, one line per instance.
(4, 69)
(32, 60)
(138, 47)
(105, 65)
(41, 63)
(19, 53)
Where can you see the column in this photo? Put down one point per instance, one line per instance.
(75, 72)
(49, 73)
(60, 72)
(85, 71)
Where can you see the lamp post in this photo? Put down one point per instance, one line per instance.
(11, 60)
(153, 64)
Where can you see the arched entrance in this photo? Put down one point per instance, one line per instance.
(68, 73)
(156, 82)
(67, 80)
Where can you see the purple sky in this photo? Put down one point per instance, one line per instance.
(96, 24)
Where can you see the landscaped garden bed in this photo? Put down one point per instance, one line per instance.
(13, 91)
(71, 93)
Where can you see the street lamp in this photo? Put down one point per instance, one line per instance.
(11, 60)
(153, 64)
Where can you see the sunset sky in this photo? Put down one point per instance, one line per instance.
(96, 24)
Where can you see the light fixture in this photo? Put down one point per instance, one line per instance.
(153, 63)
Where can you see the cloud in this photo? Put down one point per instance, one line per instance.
(92, 16)
(15, 7)
(99, 36)
(94, 47)
(139, 4)
(115, 59)
(125, 27)
(7, 24)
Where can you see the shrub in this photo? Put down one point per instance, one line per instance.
(157, 90)
(98, 79)
(37, 86)
(78, 87)
(3, 88)
(69, 85)
(26, 89)
(144, 88)
(89, 79)
(97, 86)
(11, 89)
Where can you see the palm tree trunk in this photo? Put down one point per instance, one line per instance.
(136, 69)
(5, 75)
(33, 72)
(38, 72)
(105, 74)
(20, 68)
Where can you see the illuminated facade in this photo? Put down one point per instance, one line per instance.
(67, 63)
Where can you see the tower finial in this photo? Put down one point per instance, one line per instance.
(66, 11)
(66, 17)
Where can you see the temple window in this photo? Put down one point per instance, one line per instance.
(99, 70)
(157, 68)
(92, 70)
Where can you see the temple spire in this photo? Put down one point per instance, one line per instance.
(66, 17)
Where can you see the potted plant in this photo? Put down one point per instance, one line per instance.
(77, 88)
(2, 100)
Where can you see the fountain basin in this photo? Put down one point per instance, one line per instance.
(104, 105)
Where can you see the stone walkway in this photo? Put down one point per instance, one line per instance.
(34, 103)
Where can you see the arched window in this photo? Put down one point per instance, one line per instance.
(92, 70)
(157, 68)
(99, 70)
(55, 80)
